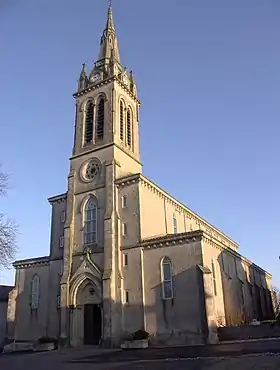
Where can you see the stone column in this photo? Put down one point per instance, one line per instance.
(108, 256)
(111, 299)
(64, 328)
(67, 262)
(210, 306)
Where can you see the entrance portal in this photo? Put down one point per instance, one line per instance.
(92, 324)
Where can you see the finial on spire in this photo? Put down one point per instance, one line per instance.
(110, 23)
(83, 72)
(83, 78)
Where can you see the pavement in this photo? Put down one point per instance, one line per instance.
(241, 356)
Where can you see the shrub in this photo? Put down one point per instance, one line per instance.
(140, 334)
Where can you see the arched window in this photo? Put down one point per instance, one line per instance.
(129, 128)
(100, 119)
(121, 121)
(89, 122)
(90, 221)
(166, 278)
(35, 291)
(175, 227)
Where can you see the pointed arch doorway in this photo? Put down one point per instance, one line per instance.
(86, 321)
(92, 324)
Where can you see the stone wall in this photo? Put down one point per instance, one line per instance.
(3, 316)
(178, 320)
(246, 332)
(11, 312)
(32, 324)
(5, 311)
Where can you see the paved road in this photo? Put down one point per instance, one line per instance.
(220, 350)
(222, 357)
(241, 363)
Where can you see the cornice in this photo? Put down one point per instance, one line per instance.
(106, 82)
(92, 88)
(112, 143)
(169, 240)
(122, 182)
(58, 198)
(91, 150)
(127, 180)
(210, 236)
(32, 262)
(217, 244)
(189, 213)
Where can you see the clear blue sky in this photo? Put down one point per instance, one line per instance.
(208, 74)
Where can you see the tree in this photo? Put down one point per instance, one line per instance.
(275, 295)
(8, 229)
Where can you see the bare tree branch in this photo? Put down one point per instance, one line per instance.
(8, 230)
(276, 302)
(3, 183)
(8, 234)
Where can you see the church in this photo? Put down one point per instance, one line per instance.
(124, 254)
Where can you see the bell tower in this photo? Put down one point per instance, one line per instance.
(106, 147)
(107, 107)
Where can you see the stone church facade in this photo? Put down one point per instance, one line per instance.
(124, 254)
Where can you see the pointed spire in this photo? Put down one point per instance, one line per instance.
(131, 77)
(109, 39)
(133, 87)
(110, 22)
(83, 78)
(83, 72)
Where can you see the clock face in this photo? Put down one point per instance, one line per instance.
(100, 63)
(94, 78)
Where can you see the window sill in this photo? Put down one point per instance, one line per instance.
(93, 248)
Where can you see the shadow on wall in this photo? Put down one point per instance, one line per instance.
(180, 319)
(183, 318)
(245, 291)
(188, 317)
(4, 306)
(42, 320)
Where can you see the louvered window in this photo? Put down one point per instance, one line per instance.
(128, 128)
(89, 123)
(100, 120)
(121, 121)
